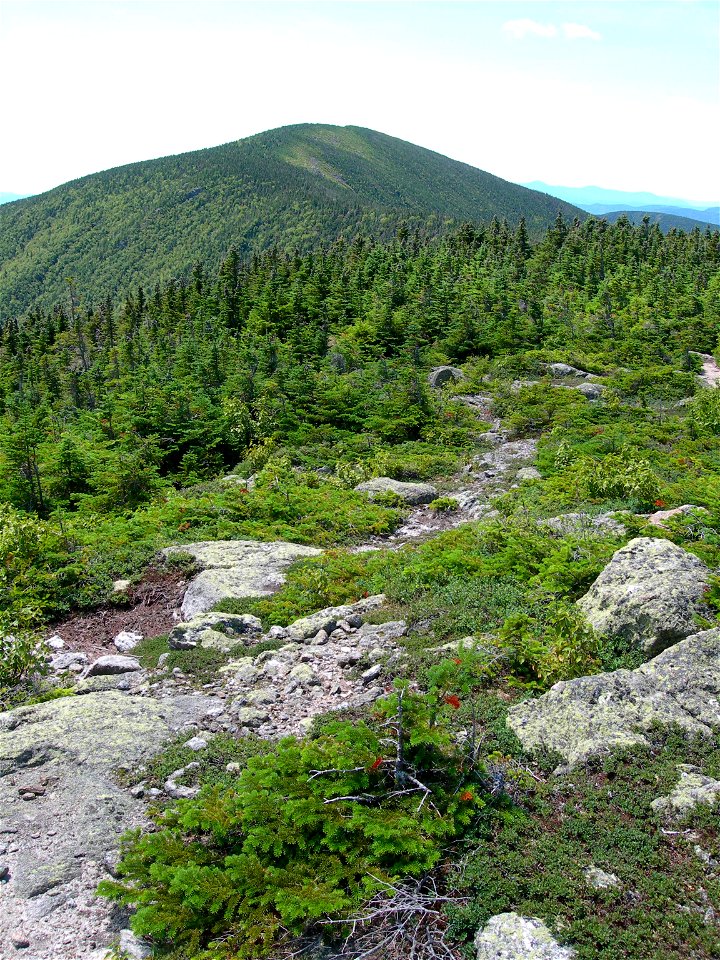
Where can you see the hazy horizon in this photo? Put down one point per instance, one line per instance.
(602, 92)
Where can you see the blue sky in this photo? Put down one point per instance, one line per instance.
(618, 93)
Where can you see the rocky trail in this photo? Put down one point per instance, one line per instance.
(62, 810)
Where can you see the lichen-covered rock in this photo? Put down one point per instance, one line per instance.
(508, 936)
(594, 715)
(442, 375)
(584, 523)
(528, 473)
(693, 788)
(412, 493)
(235, 569)
(328, 619)
(230, 627)
(648, 594)
(69, 749)
(598, 879)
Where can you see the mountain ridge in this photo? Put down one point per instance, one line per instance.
(295, 187)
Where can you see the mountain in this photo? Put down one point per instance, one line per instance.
(601, 200)
(666, 221)
(295, 186)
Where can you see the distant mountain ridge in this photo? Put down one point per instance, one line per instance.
(294, 187)
(600, 201)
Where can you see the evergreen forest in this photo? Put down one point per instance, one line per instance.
(246, 398)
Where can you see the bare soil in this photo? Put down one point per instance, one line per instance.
(151, 608)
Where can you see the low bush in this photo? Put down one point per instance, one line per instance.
(306, 831)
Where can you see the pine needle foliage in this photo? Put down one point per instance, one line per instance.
(307, 832)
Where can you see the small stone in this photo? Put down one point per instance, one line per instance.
(56, 642)
(233, 767)
(127, 640)
(19, 941)
(600, 880)
(277, 633)
(113, 664)
(321, 637)
(138, 790)
(372, 674)
(195, 744)
(121, 586)
(133, 948)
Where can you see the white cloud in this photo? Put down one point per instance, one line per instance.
(578, 31)
(518, 29)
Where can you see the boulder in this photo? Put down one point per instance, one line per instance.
(201, 630)
(591, 391)
(412, 493)
(112, 664)
(658, 518)
(508, 936)
(693, 788)
(591, 716)
(584, 523)
(72, 747)
(649, 594)
(328, 619)
(236, 568)
(439, 376)
(565, 370)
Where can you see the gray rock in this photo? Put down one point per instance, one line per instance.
(412, 493)
(68, 661)
(201, 630)
(372, 674)
(597, 879)
(328, 619)
(195, 744)
(593, 715)
(439, 376)
(693, 788)
(528, 473)
(381, 634)
(508, 936)
(127, 640)
(112, 664)
(252, 717)
(648, 594)
(56, 642)
(592, 391)
(584, 523)
(304, 674)
(235, 569)
(658, 518)
(133, 948)
(74, 744)
(565, 370)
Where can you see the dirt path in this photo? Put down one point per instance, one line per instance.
(710, 375)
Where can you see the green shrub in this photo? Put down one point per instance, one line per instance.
(306, 831)
(444, 504)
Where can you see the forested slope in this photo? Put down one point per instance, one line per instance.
(294, 187)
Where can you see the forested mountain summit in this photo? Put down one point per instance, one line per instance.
(292, 187)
